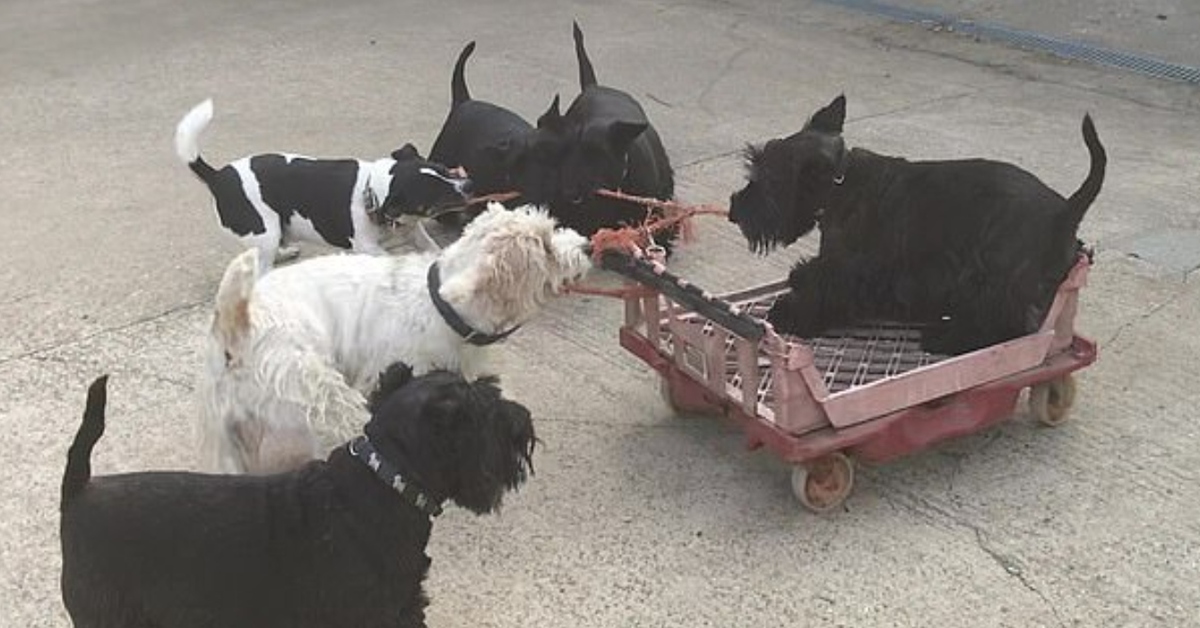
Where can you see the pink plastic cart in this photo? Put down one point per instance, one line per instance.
(865, 393)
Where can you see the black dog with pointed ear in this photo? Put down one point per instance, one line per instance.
(338, 543)
(488, 141)
(971, 249)
(604, 140)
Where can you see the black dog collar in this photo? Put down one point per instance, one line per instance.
(362, 449)
(469, 334)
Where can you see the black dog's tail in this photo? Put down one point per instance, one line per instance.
(458, 84)
(1082, 199)
(187, 139)
(587, 75)
(79, 456)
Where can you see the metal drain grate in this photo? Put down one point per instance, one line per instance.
(1066, 49)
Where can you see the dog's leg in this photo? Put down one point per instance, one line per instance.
(982, 314)
(815, 300)
(288, 251)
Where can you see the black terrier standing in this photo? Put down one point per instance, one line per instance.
(604, 140)
(972, 249)
(493, 145)
(337, 543)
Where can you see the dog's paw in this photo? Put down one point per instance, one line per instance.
(946, 338)
(791, 315)
(287, 254)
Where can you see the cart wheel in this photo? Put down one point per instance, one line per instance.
(664, 391)
(685, 400)
(824, 483)
(1050, 402)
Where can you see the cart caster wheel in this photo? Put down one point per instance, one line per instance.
(685, 401)
(664, 391)
(1050, 402)
(823, 484)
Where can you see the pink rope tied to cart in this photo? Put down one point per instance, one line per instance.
(634, 240)
(638, 240)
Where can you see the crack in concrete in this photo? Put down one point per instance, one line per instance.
(34, 353)
(920, 104)
(1013, 568)
(726, 68)
(1144, 316)
(928, 511)
(911, 106)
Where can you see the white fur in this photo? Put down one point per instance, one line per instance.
(187, 133)
(292, 354)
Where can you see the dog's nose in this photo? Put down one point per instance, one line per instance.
(466, 188)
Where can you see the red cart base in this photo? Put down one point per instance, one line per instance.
(824, 473)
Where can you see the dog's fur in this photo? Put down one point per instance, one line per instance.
(291, 354)
(329, 545)
(604, 140)
(973, 249)
(269, 200)
(487, 140)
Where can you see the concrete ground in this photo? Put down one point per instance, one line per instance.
(109, 256)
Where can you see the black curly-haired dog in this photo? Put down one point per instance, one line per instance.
(337, 543)
(972, 249)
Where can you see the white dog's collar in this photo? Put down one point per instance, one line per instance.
(468, 333)
(362, 449)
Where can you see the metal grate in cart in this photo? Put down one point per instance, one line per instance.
(846, 358)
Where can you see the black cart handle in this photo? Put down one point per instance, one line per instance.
(657, 277)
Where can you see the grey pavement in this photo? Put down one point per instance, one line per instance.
(109, 256)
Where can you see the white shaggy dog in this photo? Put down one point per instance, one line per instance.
(291, 355)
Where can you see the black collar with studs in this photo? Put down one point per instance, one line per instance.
(468, 333)
(362, 449)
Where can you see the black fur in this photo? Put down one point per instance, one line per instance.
(491, 143)
(412, 193)
(487, 140)
(234, 210)
(973, 249)
(329, 545)
(604, 140)
(317, 190)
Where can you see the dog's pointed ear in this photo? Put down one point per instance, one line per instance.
(622, 133)
(552, 119)
(406, 152)
(231, 321)
(830, 118)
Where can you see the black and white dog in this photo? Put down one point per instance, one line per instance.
(271, 199)
(974, 250)
(604, 140)
(338, 543)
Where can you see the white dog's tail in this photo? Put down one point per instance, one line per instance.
(187, 139)
(231, 321)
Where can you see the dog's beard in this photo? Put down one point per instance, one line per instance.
(761, 222)
(503, 456)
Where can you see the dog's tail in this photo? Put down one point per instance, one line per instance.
(187, 139)
(587, 75)
(1082, 199)
(458, 83)
(79, 456)
(231, 321)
